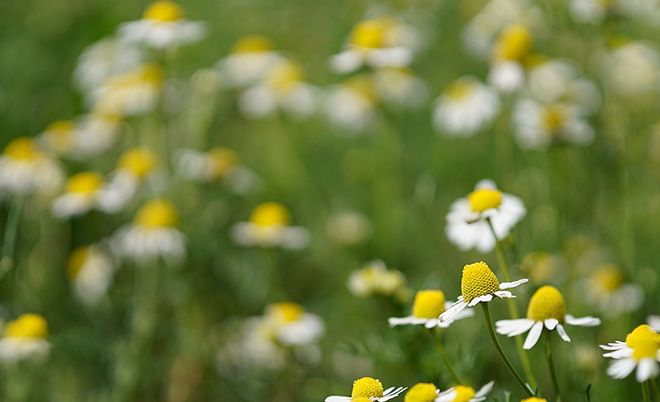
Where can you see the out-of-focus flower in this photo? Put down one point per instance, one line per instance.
(102, 60)
(595, 11)
(546, 308)
(654, 322)
(641, 350)
(465, 107)
(90, 270)
(292, 325)
(152, 234)
(378, 42)
(24, 338)
(162, 26)
(131, 93)
(542, 267)
(375, 279)
(464, 393)
(479, 285)
(512, 48)
(217, 164)
(368, 389)
(91, 135)
(282, 88)
(348, 228)
(422, 392)
(270, 226)
(135, 167)
(632, 68)
(427, 307)
(399, 87)
(81, 195)
(534, 399)
(351, 105)
(251, 59)
(607, 290)
(25, 169)
(467, 225)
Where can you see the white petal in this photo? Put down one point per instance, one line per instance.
(485, 390)
(533, 336)
(562, 332)
(582, 321)
(410, 320)
(338, 399)
(514, 327)
(514, 284)
(504, 294)
(614, 345)
(646, 369)
(450, 314)
(392, 394)
(551, 323)
(621, 368)
(624, 353)
(447, 396)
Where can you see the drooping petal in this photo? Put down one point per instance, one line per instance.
(562, 332)
(504, 294)
(514, 327)
(450, 314)
(621, 368)
(551, 323)
(625, 352)
(485, 390)
(646, 369)
(533, 336)
(582, 321)
(514, 284)
(338, 399)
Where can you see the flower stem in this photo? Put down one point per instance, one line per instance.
(645, 391)
(511, 304)
(551, 365)
(493, 337)
(445, 359)
(9, 239)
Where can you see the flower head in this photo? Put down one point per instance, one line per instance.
(368, 389)
(269, 226)
(641, 350)
(465, 393)
(24, 337)
(24, 168)
(422, 392)
(428, 305)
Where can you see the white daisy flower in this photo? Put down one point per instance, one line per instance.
(102, 60)
(283, 89)
(25, 169)
(152, 235)
(91, 135)
(217, 164)
(607, 290)
(546, 309)
(632, 68)
(464, 393)
(589, 11)
(478, 285)
(252, 346)
(134, 92)
(349, 228)
(510, 51)
(378, 42)
(464, 108)
(352, 104)
(162, 26)
(398, 86)
(368, 389)
(427, 307)
(80, 196)
(24, 338)
(292, 325)
(467, 225)
(374, 278)
(250, 61)
(270, 226)
(654, 322)
(641, 350)
(90, 270)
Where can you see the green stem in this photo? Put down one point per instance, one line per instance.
(551, 365)
(9, 240)
(511, 304)
(445, 359)
(493, 337)
(656, 392)
(645, 391)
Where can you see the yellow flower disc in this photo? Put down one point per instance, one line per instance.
(138, 161)
(77, 261)
(608, 277)
(463, 393)
(286, 311)
(27, 326)
(85, 183)
(534, 399)
(644, 341)
(484, 198)
(553, 117)
(367, 387)
(164, 11)
(270, 214)
(546, 303)
(514, 43)
(428, 304)
(253, 44)
(371, 34)
(157, 214)
(23, 149)
(478, 280)
(459, 89)
(422, 392)
(223, 160)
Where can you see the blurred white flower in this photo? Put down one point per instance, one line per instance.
(467, 225)
(398, 86)
(465, 393)
(509, 55)
(270, 226)
(81, 194)
(351, 105)
(595, 11)
(368, 388)
(348, 228)
(632, 68)
(250, 61)
(90, 270)
(292, 325)
(641, 350)
(24, 338)
(607, 290)
(91, 135)
(426, 310)
(24, 169)
(162, 26)
(134, 92)
(654, 322)
(375, 279)
(102, 60)
(464, 108)
(217, 164)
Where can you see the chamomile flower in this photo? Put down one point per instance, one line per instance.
(352, 104)
(478, 285)
(631, 67)
(368, 389)
(162, 26)
(91, 135)
(349, 228)
(135, 167)
(464, 393)
(422, 392)
(534, 399)
(378, 42)
(90, 271)
(607, 290)
(217, 164)
(25, 169)
(134, 92)
(270, 226)
(102, 60)
(292, 325)
(427, 307)
(81, 194)
(375, 279)
(283, 88)
(509, 53)
(152, 235)
(467, 227)
(641, 350)
(399, 87)
(24, 338)
(546, 309)
(250, 60)
(464, 108)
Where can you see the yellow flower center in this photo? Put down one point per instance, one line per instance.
(463, 393)
(484, 198)
(157, 214)
(428, 304)
(270, 214)
(253, 44)
(367, 387)
(362, 85)
(164, 11)
(77, 261)
(22, 149)
(478, 280)
(546, 303)
(609, 278)
(286, 75)
(371, 34)
(553, 118)
(422, 392)
(149, 74)
(286, 311)
(644, 341)
(85, 183)
(27, 326)
(534, 399)
(459, 89)
(514, 43)
(138, 161)
(223, 161)
(59, 133)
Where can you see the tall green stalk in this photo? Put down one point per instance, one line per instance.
(9, 239)
(551, 365)
(646, 394)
